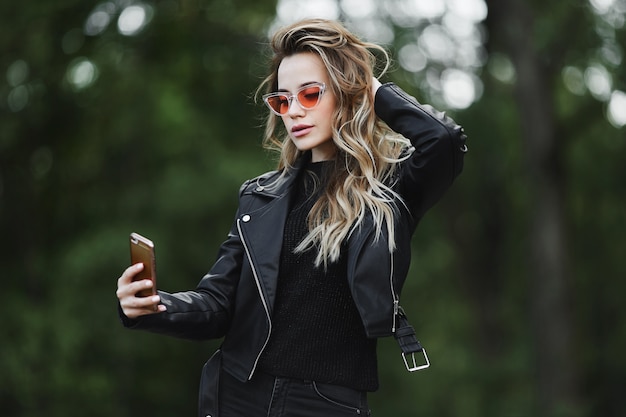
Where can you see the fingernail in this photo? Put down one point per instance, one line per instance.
(148, 283)
(155, 299)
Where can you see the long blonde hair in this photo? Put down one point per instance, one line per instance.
(367, 150)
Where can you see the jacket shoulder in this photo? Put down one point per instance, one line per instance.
(252, 183)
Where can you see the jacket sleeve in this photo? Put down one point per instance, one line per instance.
(203, 313)
(438, 147)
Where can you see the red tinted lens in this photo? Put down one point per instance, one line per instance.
(279, 103)
(310, 96)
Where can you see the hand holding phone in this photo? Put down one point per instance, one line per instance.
(142, 251)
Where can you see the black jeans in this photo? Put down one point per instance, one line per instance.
(268, 396)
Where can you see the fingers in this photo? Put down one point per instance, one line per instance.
(133, 287)
(125, 284)
(127, 290)
(129, 273)
(134, 307)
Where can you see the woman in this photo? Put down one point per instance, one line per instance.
(311, 272)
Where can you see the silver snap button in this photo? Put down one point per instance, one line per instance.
(246, 218)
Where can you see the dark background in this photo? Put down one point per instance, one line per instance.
(517, 276)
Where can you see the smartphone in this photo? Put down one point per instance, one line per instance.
(142, 250)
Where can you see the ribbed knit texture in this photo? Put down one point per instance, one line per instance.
(317, 332)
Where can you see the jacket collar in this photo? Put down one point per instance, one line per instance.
(278, 183)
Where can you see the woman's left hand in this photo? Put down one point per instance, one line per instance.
(375, 86)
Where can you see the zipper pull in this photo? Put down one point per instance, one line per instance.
(396, 307)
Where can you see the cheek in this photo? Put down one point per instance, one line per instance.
(329, 117)
(329, 109)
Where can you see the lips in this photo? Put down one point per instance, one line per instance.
(301, 130)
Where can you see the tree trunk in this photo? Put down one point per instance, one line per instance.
(512, 22)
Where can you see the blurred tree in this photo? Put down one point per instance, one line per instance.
(120, 116)
(538, 69)
(115, 117)
(542, 41)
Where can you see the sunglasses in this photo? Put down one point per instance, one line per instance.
(307, 97)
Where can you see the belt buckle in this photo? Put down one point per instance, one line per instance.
(413, 366)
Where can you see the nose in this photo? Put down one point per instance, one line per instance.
(295, 109)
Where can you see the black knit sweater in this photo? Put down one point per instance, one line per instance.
(317, 333)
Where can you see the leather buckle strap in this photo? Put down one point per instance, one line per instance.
(413, 365)
(407, 340)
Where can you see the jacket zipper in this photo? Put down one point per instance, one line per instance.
(258, 285)
(396, 301)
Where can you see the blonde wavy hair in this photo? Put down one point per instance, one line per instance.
(367, 150)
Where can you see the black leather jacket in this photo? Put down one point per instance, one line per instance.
(236, 297)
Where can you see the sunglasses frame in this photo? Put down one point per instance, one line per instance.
(292, 97)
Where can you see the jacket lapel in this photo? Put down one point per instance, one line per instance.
(262, 225)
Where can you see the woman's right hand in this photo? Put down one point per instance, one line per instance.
(134, 306)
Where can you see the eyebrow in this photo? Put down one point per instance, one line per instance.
(282, 90)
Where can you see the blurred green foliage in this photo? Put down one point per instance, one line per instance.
(158, 139)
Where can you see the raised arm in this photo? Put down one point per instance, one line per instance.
(438, 142)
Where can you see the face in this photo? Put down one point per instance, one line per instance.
(308, 129)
